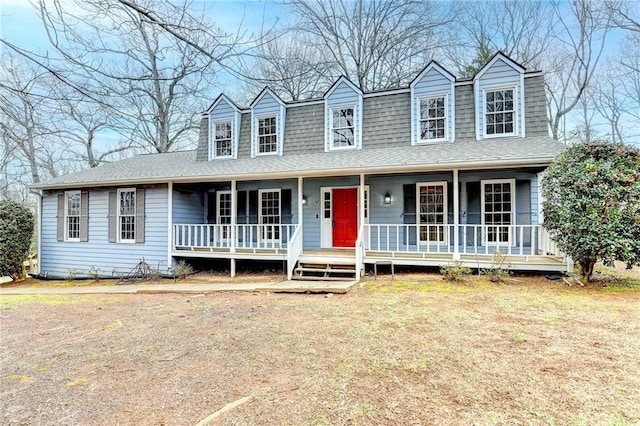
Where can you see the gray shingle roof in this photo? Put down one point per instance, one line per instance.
(182, 166)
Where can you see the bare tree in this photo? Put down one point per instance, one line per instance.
(154, 84)
(377, 44)
(521, 29)
(584, 27)
(291, 65)
(24, 94)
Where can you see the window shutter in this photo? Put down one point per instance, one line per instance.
(285, 205)
(212, 207)
(60, 230)
(113, 216)
(241, 209)
(253, 206)
(84, 216)
(140, 216)
(409, 212)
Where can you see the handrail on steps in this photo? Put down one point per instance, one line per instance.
(294, 251)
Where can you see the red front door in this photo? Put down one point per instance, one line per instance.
(345, 217)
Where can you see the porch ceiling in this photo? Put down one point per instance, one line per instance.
(182, 166)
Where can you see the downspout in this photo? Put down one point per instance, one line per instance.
(38, 194)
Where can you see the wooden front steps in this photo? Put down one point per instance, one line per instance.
(324, 271)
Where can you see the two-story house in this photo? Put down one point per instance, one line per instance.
(444, 170)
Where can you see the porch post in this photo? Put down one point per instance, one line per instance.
(170, 236)
(300, 205)
(360, 265)
(234, 222)
(456, 216)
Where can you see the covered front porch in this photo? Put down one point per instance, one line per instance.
(528, 248)
(476, 217)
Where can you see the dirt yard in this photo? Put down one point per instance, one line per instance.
(414, 351)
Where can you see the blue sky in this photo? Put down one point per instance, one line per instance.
(20, 25)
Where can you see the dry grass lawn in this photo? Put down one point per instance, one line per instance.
(415, 351)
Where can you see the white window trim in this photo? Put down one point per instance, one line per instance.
(355, 128)
(419, 139)
(261, 215)
(66, 216)
(118, 216)
(256, 140)
(224, 229)
(516, 112)
(212, 139)
(512, 182)
(445, 213)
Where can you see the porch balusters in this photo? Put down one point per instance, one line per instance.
(518, 240)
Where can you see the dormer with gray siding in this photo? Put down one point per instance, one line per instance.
(224, 129)
(343, 116)
(433, 106)
(501, 100)
(268, 116)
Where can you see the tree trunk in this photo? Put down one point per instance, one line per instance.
(586, 269)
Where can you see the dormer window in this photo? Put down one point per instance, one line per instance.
(500, 112)
(433, 118)
(342, 127)
(222, 143)
(267, 135)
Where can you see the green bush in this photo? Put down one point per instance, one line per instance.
(16, 230)
(592, 204)
(455, 272)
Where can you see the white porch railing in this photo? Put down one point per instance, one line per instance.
(247, 236)
(294, 250)
(518, 240)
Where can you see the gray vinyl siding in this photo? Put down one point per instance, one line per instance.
(387, 121)
(58, 258)
(465, 113)
(500, 75)
(304, 132)
(535, 106)
(267, 106)
(188, 207)
(430, 84)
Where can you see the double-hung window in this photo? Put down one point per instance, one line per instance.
(342, 127)
(433, 119)
(267, 135)
(500, 112)
(72, 216)
(222, 140)
(270, 213)
(126, 215)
